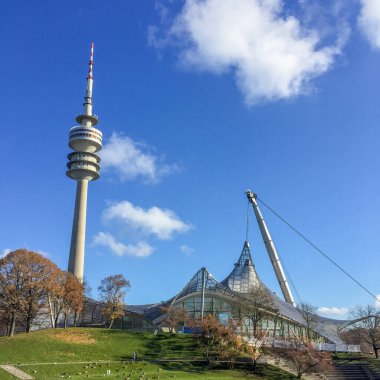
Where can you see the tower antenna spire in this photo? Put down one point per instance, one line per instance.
(88, 98)
(247, 223)
(91, 62)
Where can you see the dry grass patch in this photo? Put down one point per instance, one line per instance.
(74, 336)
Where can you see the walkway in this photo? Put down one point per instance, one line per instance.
(16, 372)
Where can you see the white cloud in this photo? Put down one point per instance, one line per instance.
(377, 302)
(131, 160)
(369, 21)
(162, 223)
(43, 253)
(186, 249)
(5, 252)
(272, 55)
(141, 249)
(333, 311)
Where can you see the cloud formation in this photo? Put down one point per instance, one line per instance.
(377, 302)
(186, 249)
(369, 21)
(272, 55)
(332, 310)
(131, 160)
(162, 223)
(43, 253)
(5, 252)
(141, 249)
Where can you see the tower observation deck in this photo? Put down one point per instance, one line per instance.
(85, 140)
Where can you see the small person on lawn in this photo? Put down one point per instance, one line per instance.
(134, 356)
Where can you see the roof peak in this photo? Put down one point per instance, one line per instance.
(243, 277)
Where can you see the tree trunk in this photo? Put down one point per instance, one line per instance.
(28, 324)
(12, 327)
(376, 351)
(65, 321)
(56, 320)
(29, 314)
(110, 325)
(51, 313)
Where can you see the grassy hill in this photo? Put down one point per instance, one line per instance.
(89, 353)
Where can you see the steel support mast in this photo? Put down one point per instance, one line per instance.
(271, 249)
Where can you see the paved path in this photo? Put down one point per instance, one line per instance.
(16, 372)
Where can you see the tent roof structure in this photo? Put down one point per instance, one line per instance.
(237, 286)
(243, 278)
(204, 278)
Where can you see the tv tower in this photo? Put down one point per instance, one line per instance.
(83, 166)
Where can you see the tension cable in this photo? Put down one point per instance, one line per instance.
(319, 250)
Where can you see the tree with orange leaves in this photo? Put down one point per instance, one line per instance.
(26, 279)
(112, 292)
(66, 297)
(73, 297)
(220, 341)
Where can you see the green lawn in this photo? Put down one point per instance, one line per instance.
(90, 345)
(5, 375)
(144, 370)
(89, 353)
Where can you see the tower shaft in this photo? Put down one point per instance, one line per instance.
(78, 235)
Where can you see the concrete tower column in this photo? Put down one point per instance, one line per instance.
(78, 236)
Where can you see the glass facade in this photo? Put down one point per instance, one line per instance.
(274, 326)
(134, 322)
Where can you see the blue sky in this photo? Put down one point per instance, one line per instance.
(198, 101)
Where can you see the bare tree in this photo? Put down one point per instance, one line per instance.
(87, 301)
(368, 325)
(308, 312)
(254, 309)
(112, 291)
(174, 316)
(303, 358)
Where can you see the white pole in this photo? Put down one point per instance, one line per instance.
(271, 249)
